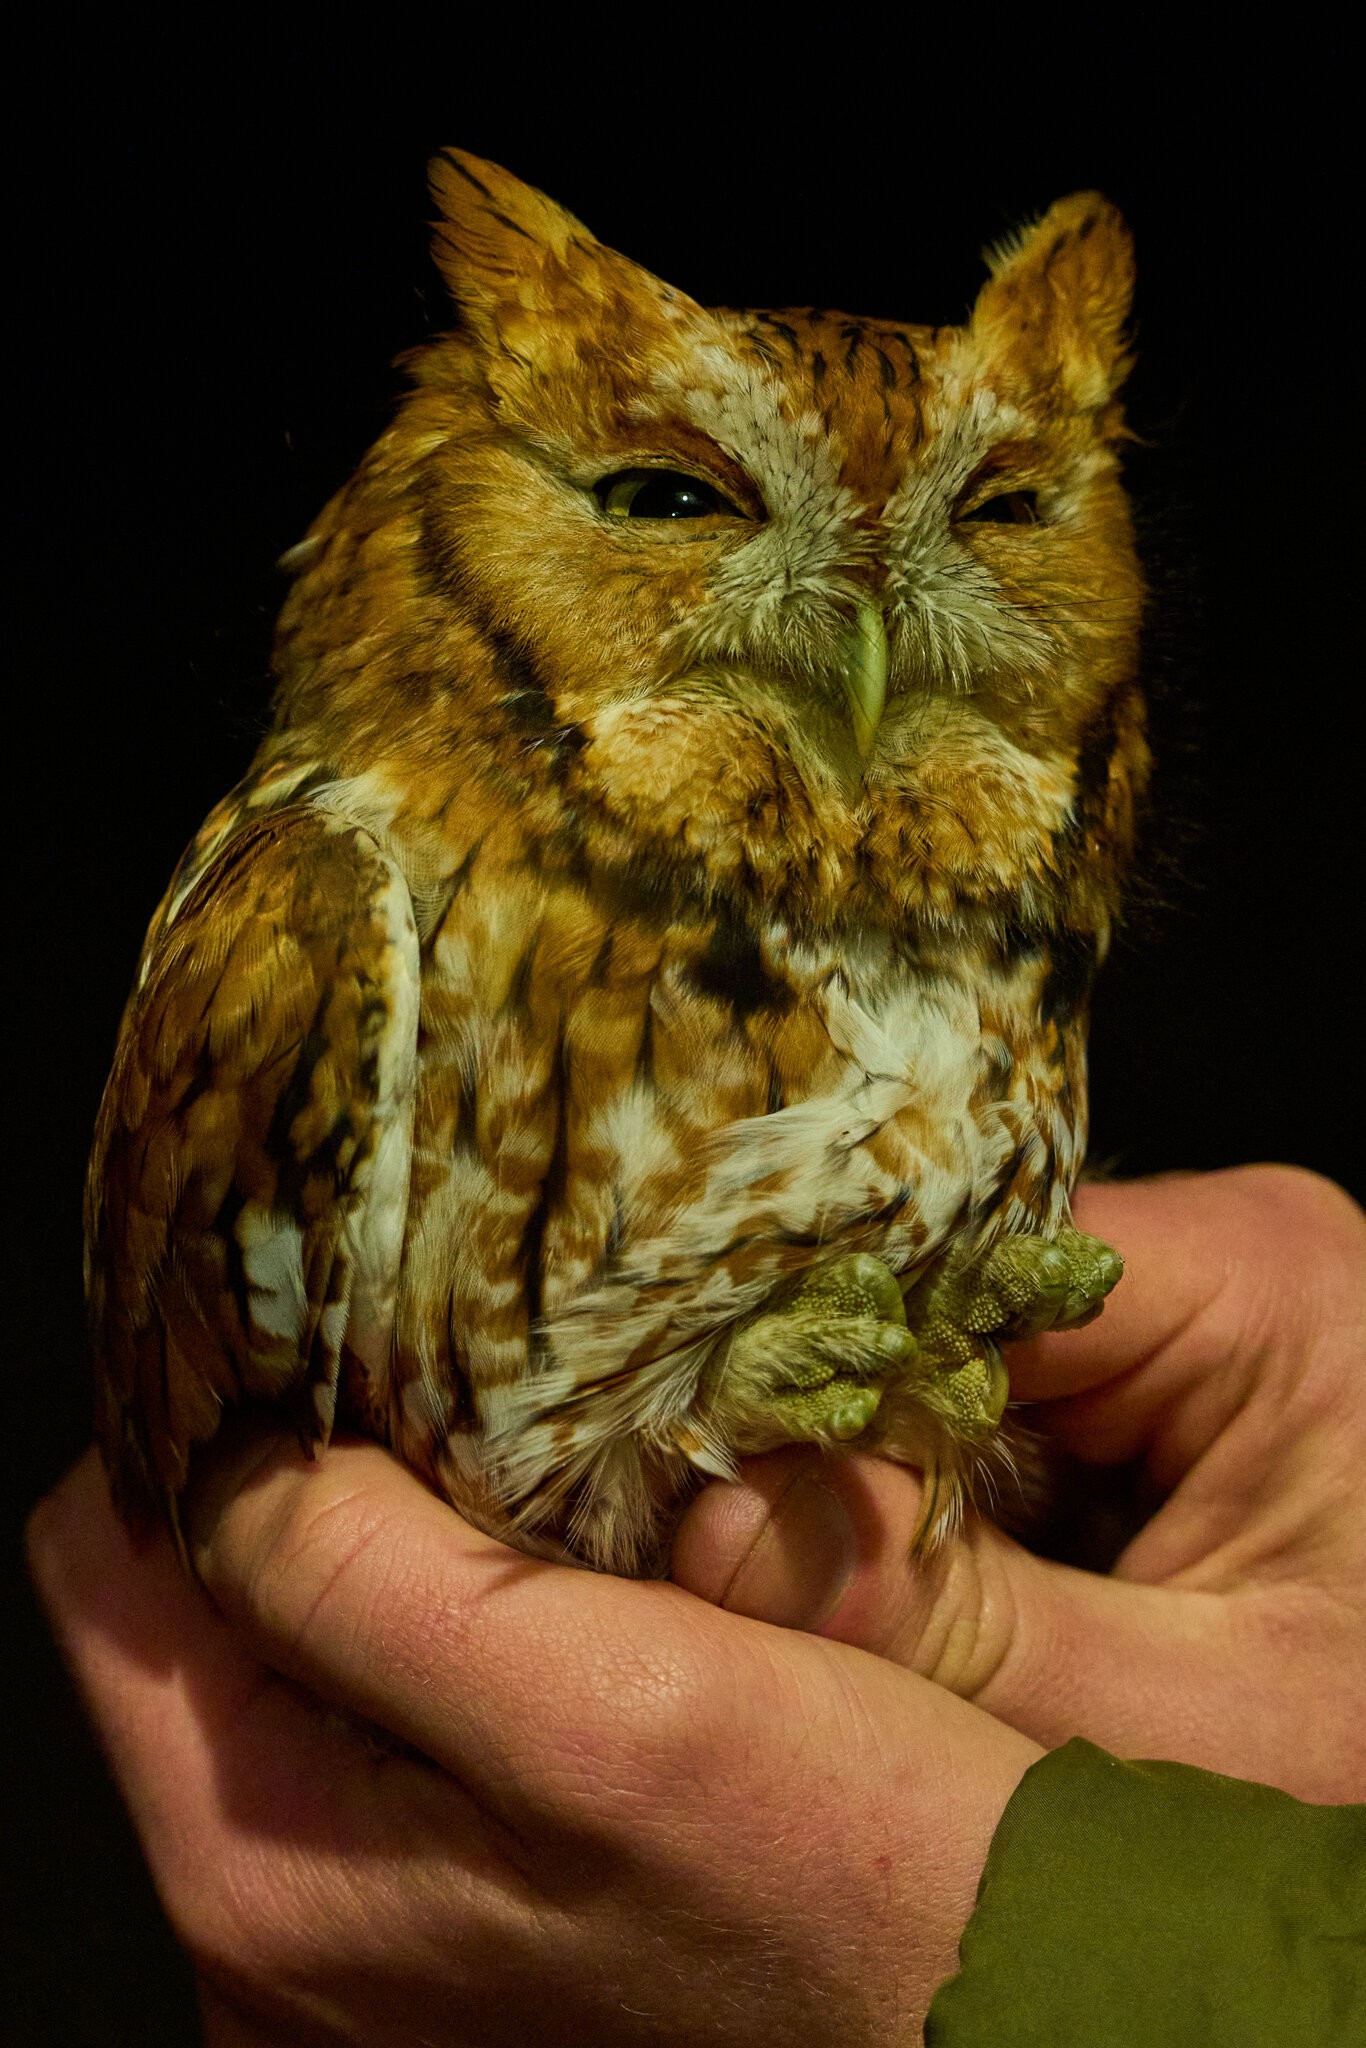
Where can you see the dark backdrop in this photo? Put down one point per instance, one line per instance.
(217, 267)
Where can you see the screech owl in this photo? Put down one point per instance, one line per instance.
(632, 1014)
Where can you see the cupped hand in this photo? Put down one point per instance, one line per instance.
(401, 1784)
(1231, 1632)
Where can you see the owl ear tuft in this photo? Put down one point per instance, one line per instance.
(499, 244)
(513, 260)
(1055, 305)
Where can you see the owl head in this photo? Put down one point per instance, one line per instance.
(837, 615)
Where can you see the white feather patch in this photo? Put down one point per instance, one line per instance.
(375, 1228)
(272, 1260)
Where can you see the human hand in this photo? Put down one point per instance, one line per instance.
(1231, 1633)
(621, 1815)
(647, 1822)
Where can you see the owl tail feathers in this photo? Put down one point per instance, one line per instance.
(145, 1503)
(169, 1386)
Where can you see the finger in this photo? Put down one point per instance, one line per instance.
(306, 1867)
(1224, 1680)
(780, 1545)
(792, 1540)
(829, 1543)
(128, 1619)
(351, 1577)
(217, 1758)
(577, 1708)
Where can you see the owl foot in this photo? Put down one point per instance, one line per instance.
(815, 1370)
(1020, 1288)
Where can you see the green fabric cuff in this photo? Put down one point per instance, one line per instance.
(1138, 1903)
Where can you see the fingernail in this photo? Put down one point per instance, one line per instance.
(802, 1561)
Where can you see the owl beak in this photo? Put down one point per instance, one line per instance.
(863, 673)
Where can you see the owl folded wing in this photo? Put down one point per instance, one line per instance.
(249, 1180)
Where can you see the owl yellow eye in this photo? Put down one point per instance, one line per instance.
(661, 494)
(1010, 508)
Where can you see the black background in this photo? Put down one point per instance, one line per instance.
(219, 254)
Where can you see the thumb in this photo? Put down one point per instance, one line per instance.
(830, 1544)
(827, 1544)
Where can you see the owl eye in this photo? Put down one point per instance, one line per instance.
(661, 494)
(1011, 508)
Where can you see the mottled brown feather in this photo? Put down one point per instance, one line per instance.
(245, 1086)
(562, 854)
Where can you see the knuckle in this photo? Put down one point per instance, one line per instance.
(285, 1560)
(656, 1734)
(1304, 1209)
(966, 1620)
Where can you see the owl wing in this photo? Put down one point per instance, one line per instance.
(248, 1183)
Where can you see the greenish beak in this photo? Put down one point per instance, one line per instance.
(864, 674)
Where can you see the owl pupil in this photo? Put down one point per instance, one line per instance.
(659, 494)
(1010, 508)
(672, 498)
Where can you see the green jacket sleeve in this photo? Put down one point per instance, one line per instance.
(1128, 1904)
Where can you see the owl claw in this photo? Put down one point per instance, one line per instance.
(839, 1411)
(815, 1371)
(859, 1285)
(1020, 1288)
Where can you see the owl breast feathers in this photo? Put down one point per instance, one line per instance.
(632, 1014)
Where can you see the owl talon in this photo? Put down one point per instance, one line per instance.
(841, 1410)
(815, 1370)
(1020, 1288)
